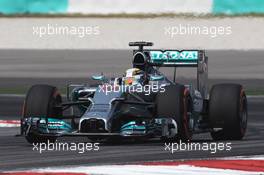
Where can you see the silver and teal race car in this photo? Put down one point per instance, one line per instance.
(143, 103)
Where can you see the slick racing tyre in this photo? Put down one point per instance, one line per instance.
(175, 102)
(40, 102)
(228, 110)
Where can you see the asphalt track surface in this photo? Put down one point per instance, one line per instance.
(16, 153)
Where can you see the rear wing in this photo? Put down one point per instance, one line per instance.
(175, 58)
(183, 58)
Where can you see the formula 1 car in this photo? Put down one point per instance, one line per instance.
(143, 103)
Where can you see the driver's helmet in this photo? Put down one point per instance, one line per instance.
(133, 76)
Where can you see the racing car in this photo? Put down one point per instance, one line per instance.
(143, 103)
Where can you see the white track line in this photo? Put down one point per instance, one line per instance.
(147, 170)
(9, 123)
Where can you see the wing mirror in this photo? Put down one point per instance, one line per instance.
(98, 77)
(156, 77)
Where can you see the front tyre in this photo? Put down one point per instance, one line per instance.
(35, 138)
(228, 110)
(41, 101)
(175, 102)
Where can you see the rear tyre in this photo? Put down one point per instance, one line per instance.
(40, 102)
(228, 110)
(175, 102)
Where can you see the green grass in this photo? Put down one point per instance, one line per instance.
(15, 90)
(255, 92)
(23, 90)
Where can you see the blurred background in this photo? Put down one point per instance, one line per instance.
(63, 41)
